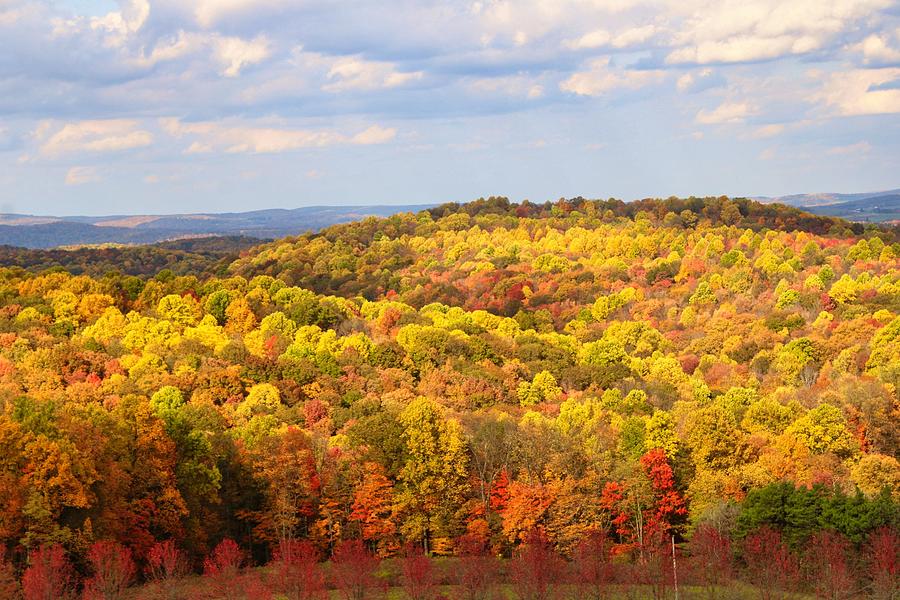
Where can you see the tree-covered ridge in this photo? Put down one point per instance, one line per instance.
(615, 374)
(196, 256)
(501, 257)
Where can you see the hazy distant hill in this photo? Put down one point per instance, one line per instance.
(876, 208)
(31, 231)
(872, 206)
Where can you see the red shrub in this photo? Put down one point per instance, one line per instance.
(113, 571)
(536, 570)
(353, 572)
(297, 572)
(594, 572)
(476, 569)
(223, 569)
(883, 558)
(419, 581)
(771, 566)
(827, 566)
(166, 565)
(654, 569)
(166, 561)
(253, 587)
(49, 575)
(710, 563)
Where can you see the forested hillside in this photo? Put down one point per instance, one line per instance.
(548, 382)
(201, 257)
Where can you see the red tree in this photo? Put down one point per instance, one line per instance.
(419, 581)
(611, 500)
(297, 572)
(883, 557)
(499, 495)
(49, 575)
(669, 506)
(594, 572)
(771, 566)
(223, 569)
(710, 563)
(373, 505)
(536, 570)
(353, 572)
(113, 571)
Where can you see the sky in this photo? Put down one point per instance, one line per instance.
(161, 106)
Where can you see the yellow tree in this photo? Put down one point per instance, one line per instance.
(434, 476)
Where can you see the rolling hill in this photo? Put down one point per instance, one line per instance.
(867, 207)
(31, 231)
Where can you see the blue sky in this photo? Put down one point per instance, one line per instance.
(155, 106)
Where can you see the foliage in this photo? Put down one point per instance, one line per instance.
(113, 571)
(473, 371)
(49, 575)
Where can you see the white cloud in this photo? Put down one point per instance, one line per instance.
(858, 92)
(601, 37)
(592, 39)
(171, 48)
(250, 139)
(739, 49)
(234, 53)
(230, 54)
(851, 149)
(750, 30)
(126, 21)
(727, 112)
(110, 135)
(211, 12)
(880, 49)
(116, 27)
(10, 15)
(600, 79)
(512, 85)
(198, 148)
(374, 135)
(768, 154)
(354, 73)
(767, 131)
(82, 175)
(696, 81)
(634, 36)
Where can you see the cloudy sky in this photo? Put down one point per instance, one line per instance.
(213, 105)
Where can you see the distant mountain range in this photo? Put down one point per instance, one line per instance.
(868, 207)
(31, 231)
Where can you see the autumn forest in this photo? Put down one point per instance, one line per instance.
(577, 399)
